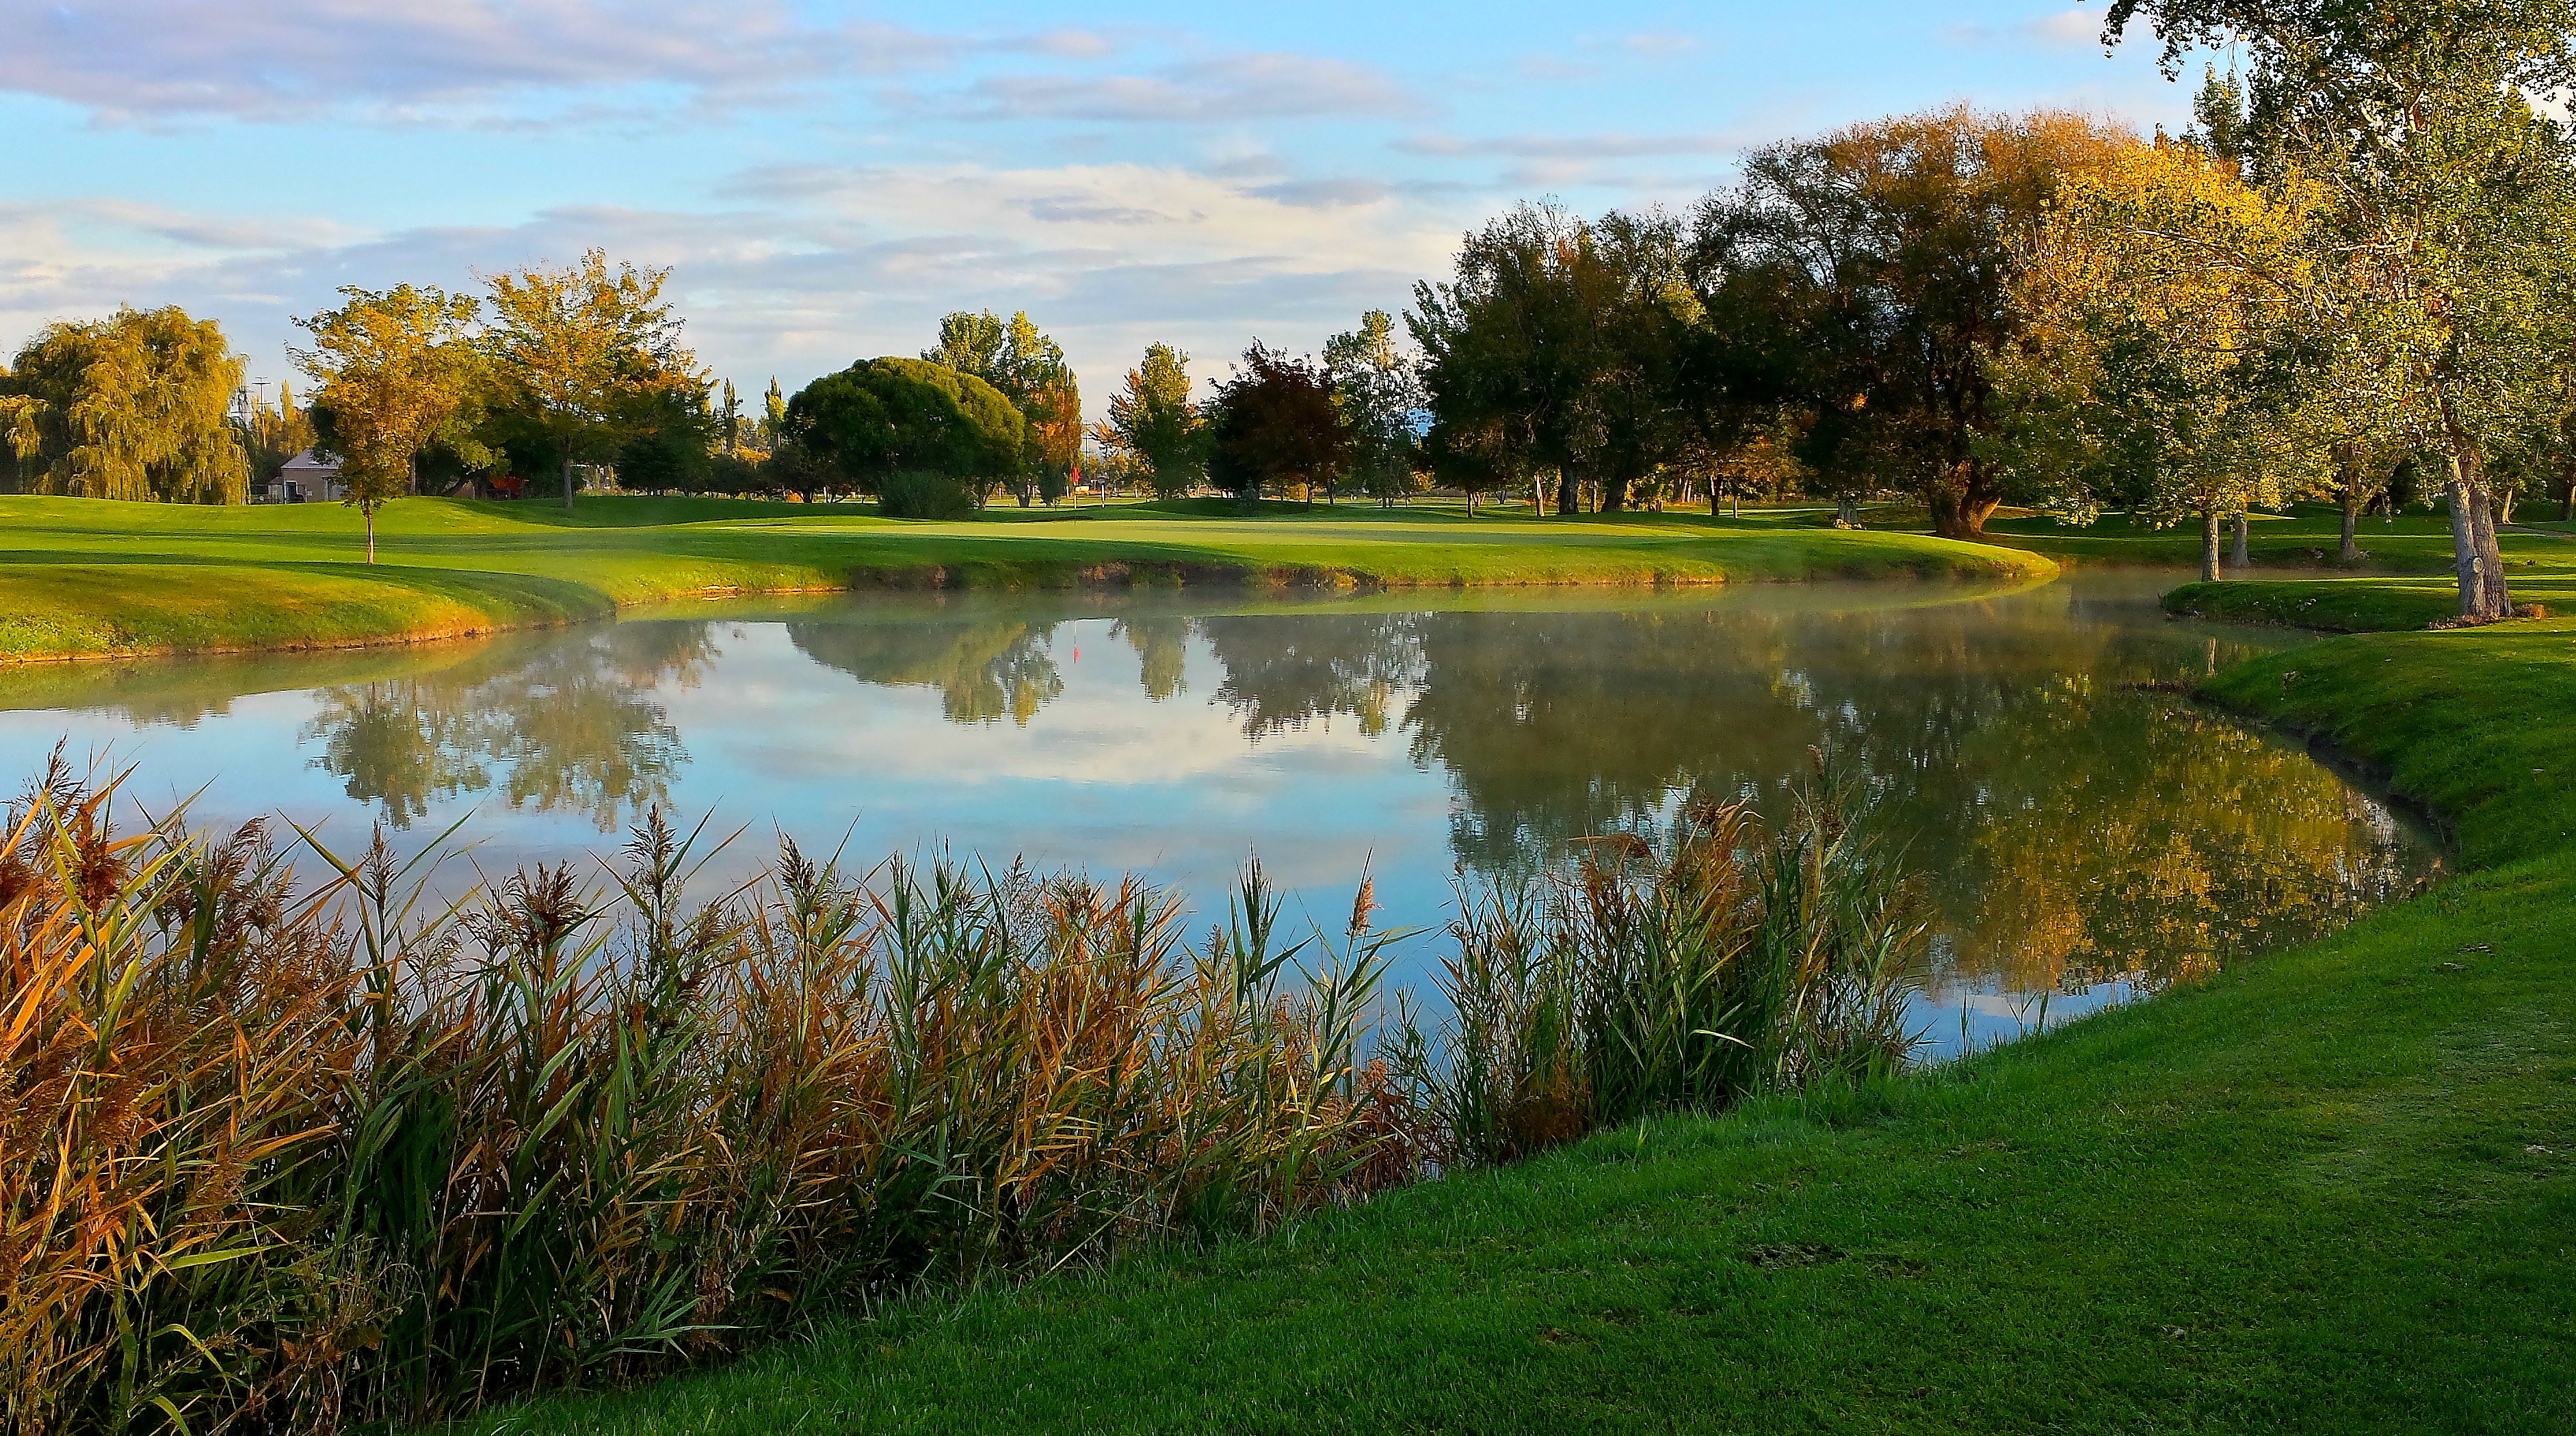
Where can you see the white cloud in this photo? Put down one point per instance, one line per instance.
(809, 268)
(1220, 88)
(130, 60)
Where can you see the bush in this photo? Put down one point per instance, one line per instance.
(921, 495)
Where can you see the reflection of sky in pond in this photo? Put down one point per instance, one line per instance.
(2077, 837)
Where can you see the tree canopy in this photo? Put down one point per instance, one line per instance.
(1378, 393)
(1153, 423)
(2432, 131)
(882, 417)
(398, 372)
(134, 406)
(1868, 274)
(1029, 369)
(582, 352)
(1275, 426)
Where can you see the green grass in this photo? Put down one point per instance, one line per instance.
(2348, 605)
(2405, 582)
(2308, 536)
(104, 579)
(2331, 1190)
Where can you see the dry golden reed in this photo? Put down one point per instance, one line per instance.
(286, 1159)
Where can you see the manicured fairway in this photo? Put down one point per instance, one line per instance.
(93, 578)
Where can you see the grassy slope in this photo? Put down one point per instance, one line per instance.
(126, 578)
(2333, 1190)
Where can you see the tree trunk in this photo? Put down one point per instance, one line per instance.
(1713, 497)
(1569, 494)
(2464, 542)
(2209, 545)
(2351, 550)
(1956, 516)
(567, 482)
(2495, 597)
(2504, 506)
(2240, 557)
(1614, 495)
(370, 511)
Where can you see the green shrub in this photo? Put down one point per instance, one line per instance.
(918, 494)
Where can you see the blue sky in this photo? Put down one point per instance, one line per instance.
(826, 180)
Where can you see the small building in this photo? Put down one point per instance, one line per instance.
(306, 478)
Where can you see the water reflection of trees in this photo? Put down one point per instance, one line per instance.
(984, 669)
(1162, 644)
(2069, 828)
(569, 725)
(1284, 673)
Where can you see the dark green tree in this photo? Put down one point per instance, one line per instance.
(1275, 426)
(889, 416)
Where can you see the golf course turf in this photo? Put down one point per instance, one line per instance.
(85, 578)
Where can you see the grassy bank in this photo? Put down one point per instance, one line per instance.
(92, 578)
(2331, 1190)
(2403, 582)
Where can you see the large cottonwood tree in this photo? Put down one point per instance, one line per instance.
(582, 352)
(1558, 337)
(2433, 129)
(1872, 270)
(2163, 301)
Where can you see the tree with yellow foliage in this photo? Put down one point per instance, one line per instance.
(134, 406)
(398, 372)
(2167, 308)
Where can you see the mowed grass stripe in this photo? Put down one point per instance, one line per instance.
(296, 579)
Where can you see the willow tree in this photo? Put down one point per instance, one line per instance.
(2432, 128)
(582, 353)
(398, 372)
(134, 406)
(2163, 297)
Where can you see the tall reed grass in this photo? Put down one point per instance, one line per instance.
(276, 1158)
(1734, 958)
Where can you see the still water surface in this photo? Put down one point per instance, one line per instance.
(2082, 840)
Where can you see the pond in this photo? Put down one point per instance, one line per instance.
(2082, 837)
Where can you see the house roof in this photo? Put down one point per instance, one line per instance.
(306, 463)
